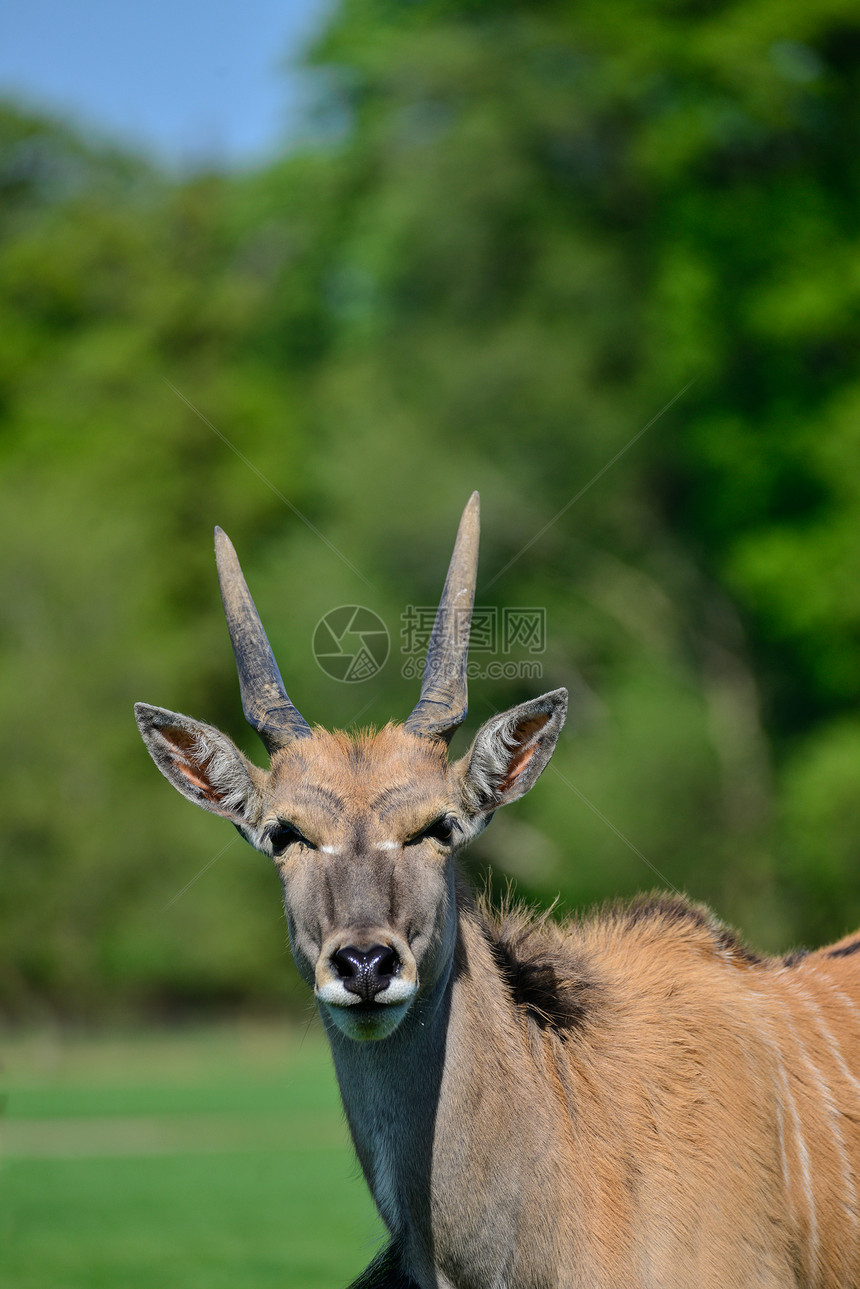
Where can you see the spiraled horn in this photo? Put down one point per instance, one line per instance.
(264, 699)
(444, 698)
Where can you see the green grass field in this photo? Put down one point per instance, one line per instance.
(209, 1159)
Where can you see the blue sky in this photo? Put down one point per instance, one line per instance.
(188, 82)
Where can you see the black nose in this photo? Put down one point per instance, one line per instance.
(366, 971)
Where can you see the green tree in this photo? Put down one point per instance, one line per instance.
(599, 262)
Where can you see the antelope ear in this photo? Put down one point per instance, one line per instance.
(510, 751)
(204, 765)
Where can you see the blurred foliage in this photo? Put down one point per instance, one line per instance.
(601, 262)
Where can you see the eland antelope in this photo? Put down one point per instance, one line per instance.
(632, 1101)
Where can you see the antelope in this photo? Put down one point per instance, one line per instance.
(630, 1101)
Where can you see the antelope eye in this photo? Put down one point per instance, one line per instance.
(282, 835)
(440, 830)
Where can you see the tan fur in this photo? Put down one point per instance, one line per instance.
(631, 1101)
(700, 1115)
(700, 1120)
(715, 1104)
(359, 768)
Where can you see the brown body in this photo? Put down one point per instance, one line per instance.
(630, 1102)
(648, 1106)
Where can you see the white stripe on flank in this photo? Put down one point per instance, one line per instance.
(832, 1115)
(387, 845)
(829, 1038)
(837, 993)
(803, 1155)
(780, 1124)
(800, 1143)
(754, 1063)
(835, 1114)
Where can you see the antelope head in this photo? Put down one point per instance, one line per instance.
(362, 828)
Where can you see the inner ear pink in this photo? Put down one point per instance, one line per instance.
(526, 746)
(199, 782)
(182, 746)
(517, 766)
(180, 739)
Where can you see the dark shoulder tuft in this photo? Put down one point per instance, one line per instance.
(553, 984)
(552, 969)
